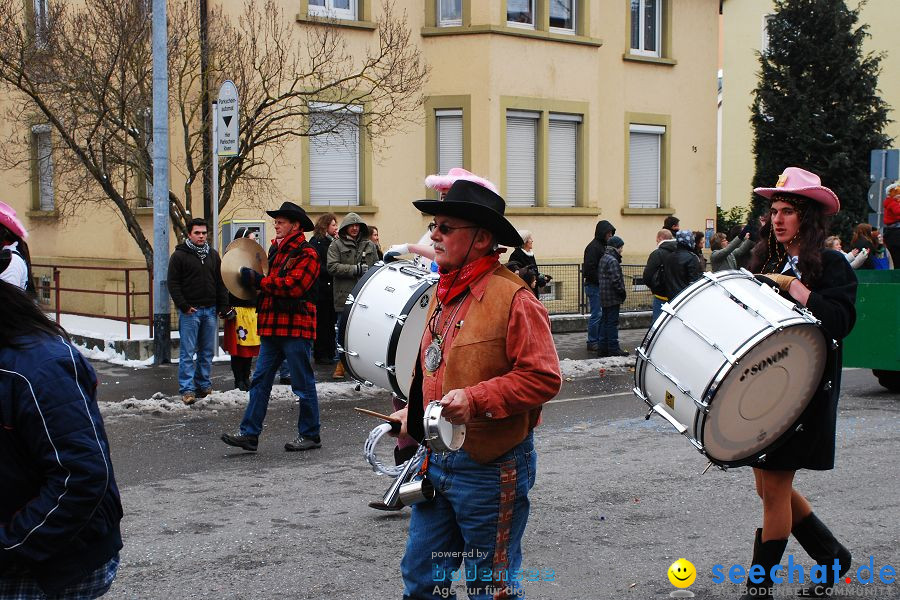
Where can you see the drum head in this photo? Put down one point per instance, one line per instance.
(763, 395)
(442, 435)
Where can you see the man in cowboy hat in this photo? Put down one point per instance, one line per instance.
(286, 324)
(488, 357)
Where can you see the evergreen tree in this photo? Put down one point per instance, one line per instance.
(816, 105)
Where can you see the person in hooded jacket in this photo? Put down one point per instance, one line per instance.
(349, 257)
(654, 270)
(682, 267)
(592, 253)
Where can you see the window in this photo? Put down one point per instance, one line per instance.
(562, 160)
(644, 165)
(334, 158)
(43, 177)
(521, 157)
(562, 15)
(337, 9)
(520, 13)
(764, 46)
(449, 137)
(646, 25)
(41, 21)
(449, 13)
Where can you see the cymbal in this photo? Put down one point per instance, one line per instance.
(242, 252)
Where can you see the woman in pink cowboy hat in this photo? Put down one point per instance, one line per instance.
(15, 260)
(791, 255)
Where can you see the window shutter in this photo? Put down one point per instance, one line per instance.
(562, 173)
(449, 139)
(44, 151)
(334, 162)
(521, 133)
(644, 167)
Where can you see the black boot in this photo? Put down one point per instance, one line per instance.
(821, 546)
(767, 555)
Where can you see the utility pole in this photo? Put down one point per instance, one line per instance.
(204, 110)
(162, 351)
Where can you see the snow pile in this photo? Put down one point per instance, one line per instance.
(111, 356)
(580, 368)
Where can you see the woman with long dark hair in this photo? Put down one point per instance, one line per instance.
(324, 349)
(60, 508)
(791, 255)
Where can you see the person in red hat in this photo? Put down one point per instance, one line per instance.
(15, 260)
(792, 256)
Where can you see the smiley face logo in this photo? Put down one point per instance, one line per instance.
(682, 573)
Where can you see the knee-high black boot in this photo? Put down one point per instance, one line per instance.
(823, 548)
(767, 555)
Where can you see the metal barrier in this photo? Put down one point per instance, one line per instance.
(49, 291)
(565, 292)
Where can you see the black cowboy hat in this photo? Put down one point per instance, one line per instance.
(292, 212)
(477, 204)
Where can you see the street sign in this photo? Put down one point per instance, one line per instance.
(227, 140)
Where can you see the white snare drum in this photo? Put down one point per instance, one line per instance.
(441, 434)
(731, 365)
(385, 322)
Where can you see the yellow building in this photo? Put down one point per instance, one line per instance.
(744, 36)
(578, 110)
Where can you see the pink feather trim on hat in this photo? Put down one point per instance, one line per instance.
(442, 183)
(800, 182)
(9, 220)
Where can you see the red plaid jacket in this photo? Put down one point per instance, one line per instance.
(301, 274)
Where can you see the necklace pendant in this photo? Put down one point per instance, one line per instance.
(433, 355)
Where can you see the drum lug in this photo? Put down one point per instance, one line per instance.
(827, 386)
(348, 352)
(381, 365)
(702, 405)
(637, 392)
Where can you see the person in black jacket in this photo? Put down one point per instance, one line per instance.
(60, 507)
(325, 348)
(592, 253)
(654, 271)
(682, 267)
(791, 255)
(612, 295)
(527, 269)
(195, 283)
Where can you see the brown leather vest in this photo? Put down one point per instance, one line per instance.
(478, 353)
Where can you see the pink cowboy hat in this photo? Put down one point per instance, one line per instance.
(799, 182)
(442, 183)
(9, 220)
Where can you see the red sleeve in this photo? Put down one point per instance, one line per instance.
(299, 278)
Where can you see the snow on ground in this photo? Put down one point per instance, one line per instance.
(111, 356)
(104, 329)
(572, 369)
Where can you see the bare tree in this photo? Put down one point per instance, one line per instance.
(88, 75)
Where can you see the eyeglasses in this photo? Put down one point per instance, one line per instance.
(447, 229)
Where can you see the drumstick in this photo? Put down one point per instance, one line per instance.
(377, 415)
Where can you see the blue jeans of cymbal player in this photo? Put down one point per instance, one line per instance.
(478, 515)
(198, 332)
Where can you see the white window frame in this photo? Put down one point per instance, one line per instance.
(571, 31)
(317, 107)
(523, 25)
(553, 155)
(334, 13)
(659, 131)
(640, 51)
(46, 200)
(764, 42)
(444, 116)
(41, 21)
(511, 198)
(448, 22)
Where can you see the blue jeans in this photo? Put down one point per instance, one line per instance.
(657, 307)
(592, 291)
(199, 333)
(609, 329)
(284, 371)
(272, 351)
(463, 521)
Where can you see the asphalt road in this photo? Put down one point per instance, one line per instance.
(617, 500)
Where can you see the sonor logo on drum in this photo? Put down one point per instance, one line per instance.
(670, 399)
(765, 363)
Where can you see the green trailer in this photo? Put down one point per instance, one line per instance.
(874, 342)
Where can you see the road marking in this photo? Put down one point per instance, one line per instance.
(561, 400)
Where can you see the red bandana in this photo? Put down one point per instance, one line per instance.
(453, 283)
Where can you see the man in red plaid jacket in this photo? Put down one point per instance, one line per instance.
(286, 323)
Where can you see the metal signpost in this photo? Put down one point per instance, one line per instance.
(225, 127)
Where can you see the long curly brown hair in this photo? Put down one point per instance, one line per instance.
(769, 254)
(322, 224)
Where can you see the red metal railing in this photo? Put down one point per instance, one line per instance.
(129, 295)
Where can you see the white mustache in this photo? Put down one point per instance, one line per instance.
(439, 247)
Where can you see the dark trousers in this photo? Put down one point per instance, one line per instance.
(324, 348)
(608, 338)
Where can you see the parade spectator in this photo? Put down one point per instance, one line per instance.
(855, 257)
(15, 259)
(654, 271)
(493, 374)
(287, 328)
(592, 254)
(324, 350)
(682, 266)
(672, 223)
(727, 255)
(881, 258)
(612, 295)
(375, 238)
(524, 257)
(349, 257)
(699, 244)
(197, 290)
(241, 341)
(892, 222)
(864, 239)
(60, 509)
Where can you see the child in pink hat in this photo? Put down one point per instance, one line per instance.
(15, 260)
